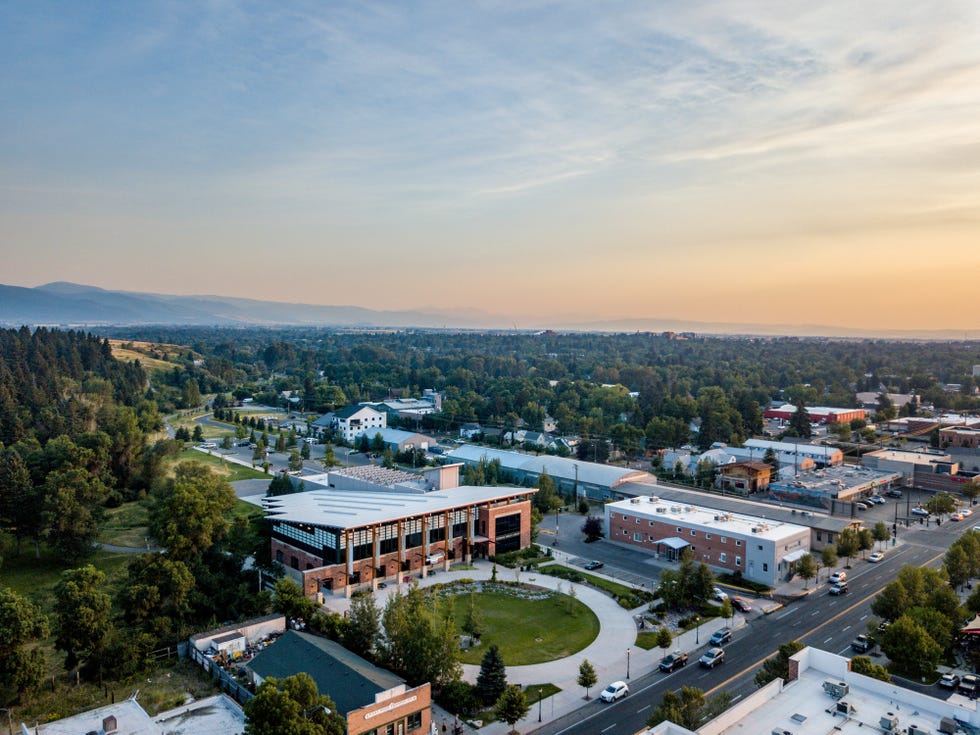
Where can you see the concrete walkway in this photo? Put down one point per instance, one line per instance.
(607, 653)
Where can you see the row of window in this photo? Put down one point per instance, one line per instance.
(412, 722)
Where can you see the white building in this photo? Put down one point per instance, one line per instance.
(822, 695)
(353, 421)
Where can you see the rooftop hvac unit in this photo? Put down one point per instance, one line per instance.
(675, 509)
(689, 508)
(888, 722)
(661, 509)
(635, 501)
(835, 689)
(653, 499)
(916, 730)
(780, 731)
(845, 708)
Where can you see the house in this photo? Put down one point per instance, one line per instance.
(398, 440)
(469, 430)
(549, 425)
(370, 699)
(744, 478)
(353, 421)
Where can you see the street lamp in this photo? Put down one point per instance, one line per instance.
(627, 663)
(540, 691)
(697, 630)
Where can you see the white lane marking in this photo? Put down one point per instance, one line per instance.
(843, 630)
(784, 615)
(736, 698)
(643, 708)
(863, 616)
(609, 728)
(815, 612)
(829, 639)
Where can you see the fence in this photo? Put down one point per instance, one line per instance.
(226, 681)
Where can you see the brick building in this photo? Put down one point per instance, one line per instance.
(762, 550)
(744, 478)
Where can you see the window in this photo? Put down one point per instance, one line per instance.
(738, 561)
(693, 532)
(760, 546)
(765, 567)
(707, 535)
(680, 530)
(723, 557)
(637, 536)
(279, 556)
(724, 539)
(819, 536)
(638, 521)
(651, 524)
(625, 517)
(738, 542)
(414, 721)
(294, 562)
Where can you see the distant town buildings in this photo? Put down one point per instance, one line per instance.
(818, 414)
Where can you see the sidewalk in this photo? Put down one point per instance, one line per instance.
(607, 653)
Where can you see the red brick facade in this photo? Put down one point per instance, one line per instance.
(706, 546)
(409, 713)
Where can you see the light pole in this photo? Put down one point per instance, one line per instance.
(697, 630)
(539, 704)
(627, 663)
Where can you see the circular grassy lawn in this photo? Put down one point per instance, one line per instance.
(529, 631)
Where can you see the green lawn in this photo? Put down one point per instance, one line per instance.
(228, 470)
(529, 631)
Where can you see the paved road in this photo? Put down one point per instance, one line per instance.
(820, 620)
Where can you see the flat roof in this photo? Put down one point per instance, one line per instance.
(733, 504)
(667, 511)
(803, 707)
(354, 508)
(813, 450)
(823, 410)
(589, 473)
(898, 455)
(217, 715)
(832, 480)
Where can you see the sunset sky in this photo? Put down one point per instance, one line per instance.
(765, 162)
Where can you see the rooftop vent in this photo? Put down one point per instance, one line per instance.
(653, 499)
(888, 722)
(835, 689)
(661, 509)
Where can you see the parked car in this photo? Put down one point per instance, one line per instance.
(876, 499)
(876, 557)
(838, 577)
(919, 511)
(673, 661)
(893, 493)
(861, 644)
(614, 691)
(719, 594)
(949, 681)
(712, 657)
(968, 685)
(839, 589)
(741, 604)
(720, 637)
(594, 564)
(861, 505)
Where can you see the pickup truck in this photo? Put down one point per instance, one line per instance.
(861, 644)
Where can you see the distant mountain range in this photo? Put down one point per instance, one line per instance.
(71, 304)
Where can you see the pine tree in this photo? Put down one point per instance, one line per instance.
(492, 679)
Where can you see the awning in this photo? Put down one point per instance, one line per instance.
(673, 542)
(795, 555)
(973, 627)
(478, 539)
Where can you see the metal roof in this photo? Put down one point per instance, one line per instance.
(589, 473)
(352, 509)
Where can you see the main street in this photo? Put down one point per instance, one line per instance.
(819, 620)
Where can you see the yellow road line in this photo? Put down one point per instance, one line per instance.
(810, 632)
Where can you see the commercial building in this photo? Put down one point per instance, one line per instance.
(398, 440)
(822, 695)
(960, 437)
(334, 540)
(353, 421)
(830, 487)
(744, 478)
(763, 550)
(818, 414)
(792, 452)
(571, 476)
(217, 715)
(370, 699)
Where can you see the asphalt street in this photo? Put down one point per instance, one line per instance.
(819, 620)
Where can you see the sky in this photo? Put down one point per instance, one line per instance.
(731, 161)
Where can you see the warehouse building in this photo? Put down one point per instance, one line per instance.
(817, 414)
(572, 477)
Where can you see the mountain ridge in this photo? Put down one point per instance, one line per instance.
(64, 303)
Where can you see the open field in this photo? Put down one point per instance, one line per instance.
(227, 470)
(125, 525)
(152, 356)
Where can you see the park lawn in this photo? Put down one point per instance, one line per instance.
(529, 631)
(228, 470)
(126, 525)
(613, 588)
(647, 640)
